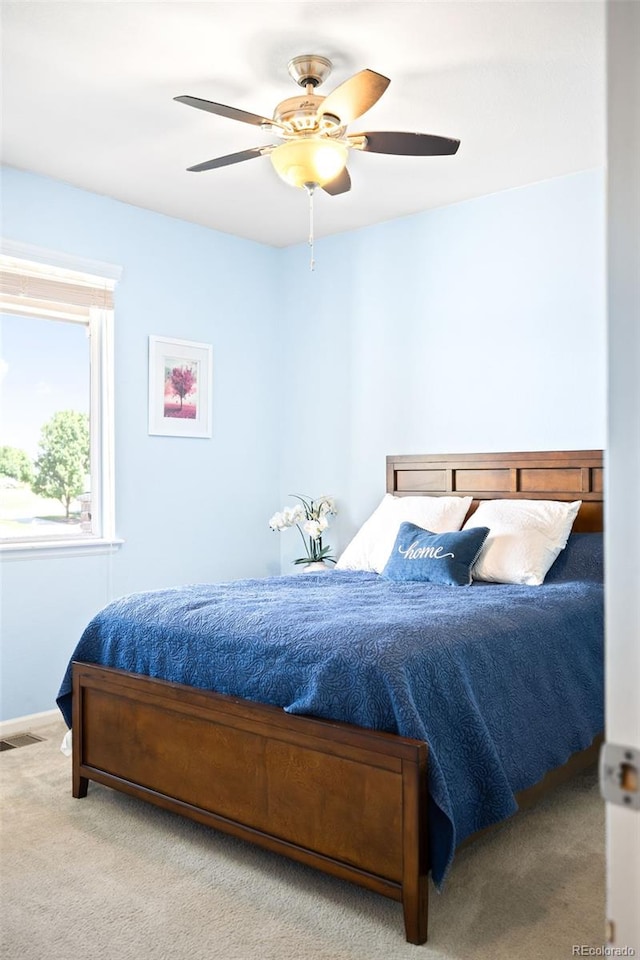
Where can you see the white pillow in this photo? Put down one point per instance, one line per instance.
(525, 538)
(373, 543)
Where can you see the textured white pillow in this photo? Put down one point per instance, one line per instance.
(525, 538)
(372, 544)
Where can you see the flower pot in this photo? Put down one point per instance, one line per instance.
(318, 566)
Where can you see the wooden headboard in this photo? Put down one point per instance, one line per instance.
(541, 475)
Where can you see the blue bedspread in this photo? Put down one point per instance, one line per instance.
(503, 682)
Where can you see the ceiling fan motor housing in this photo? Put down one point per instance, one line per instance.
(301, 113)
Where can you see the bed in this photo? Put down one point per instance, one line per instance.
(329, 789)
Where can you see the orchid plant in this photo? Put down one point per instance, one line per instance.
(311, 517)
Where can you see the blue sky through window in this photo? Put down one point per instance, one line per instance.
(44, 365)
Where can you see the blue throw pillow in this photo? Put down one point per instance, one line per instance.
(445, 558)
(581, 559)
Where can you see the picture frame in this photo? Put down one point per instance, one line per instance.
(180, 388)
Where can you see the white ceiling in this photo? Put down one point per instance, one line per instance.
(88, 91)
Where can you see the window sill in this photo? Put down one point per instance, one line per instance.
(52, 549)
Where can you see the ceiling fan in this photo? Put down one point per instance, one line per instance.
(312, 130)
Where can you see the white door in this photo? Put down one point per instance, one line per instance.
(622, 518)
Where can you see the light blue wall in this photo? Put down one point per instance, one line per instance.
(189, 510)
(474, 327)
(479, 326)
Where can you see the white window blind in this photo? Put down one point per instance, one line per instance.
(22, 281)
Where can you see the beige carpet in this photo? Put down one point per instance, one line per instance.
(112, 878)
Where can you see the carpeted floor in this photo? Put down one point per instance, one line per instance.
(111, 878)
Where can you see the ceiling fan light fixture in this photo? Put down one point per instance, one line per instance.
(309, 160)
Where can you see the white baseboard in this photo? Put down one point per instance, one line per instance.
(28, 724)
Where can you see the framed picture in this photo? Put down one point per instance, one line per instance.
(180, 388)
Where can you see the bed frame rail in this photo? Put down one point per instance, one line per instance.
(347, 801)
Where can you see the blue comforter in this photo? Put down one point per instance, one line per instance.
(503, 682)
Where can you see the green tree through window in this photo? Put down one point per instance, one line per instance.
(63, 461)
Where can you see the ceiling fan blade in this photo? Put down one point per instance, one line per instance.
(340, 184)
(355, 96)
(230, 158)
(408, 144)
(222, 110)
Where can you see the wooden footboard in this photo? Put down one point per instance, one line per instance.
(347, 801)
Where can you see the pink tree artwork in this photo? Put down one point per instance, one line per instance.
(180, 389)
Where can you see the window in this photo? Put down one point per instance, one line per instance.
(56, 433)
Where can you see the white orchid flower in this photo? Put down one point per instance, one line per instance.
(286, 518)
(276, 522)
(326, 505)
(293, 515)
(312, 528)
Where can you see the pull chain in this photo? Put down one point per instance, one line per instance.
(310, 188)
